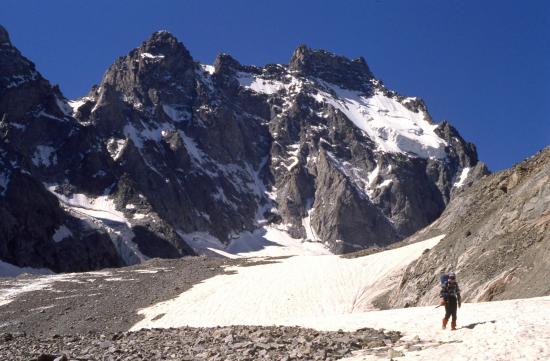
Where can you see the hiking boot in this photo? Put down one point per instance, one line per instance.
(453, 325)
(444, 324)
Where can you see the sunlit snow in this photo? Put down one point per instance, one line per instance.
(463, 176)
(392, 126)
(286, 291)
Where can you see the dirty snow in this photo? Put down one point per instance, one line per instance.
(10, 289)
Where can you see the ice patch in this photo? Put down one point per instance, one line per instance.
(61, 233)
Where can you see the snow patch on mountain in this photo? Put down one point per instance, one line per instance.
(61, 233)
(176, 114)
(265, 241)
(10, 270)
(208, 68)
(100, 212)
(151, 56)
(393, 127)
(20, 286)
(311, 235)
(115, 147)
(44, 155)
(63, 105)
(4, 182)
(100, 207)
(292, 85)
(463, 176)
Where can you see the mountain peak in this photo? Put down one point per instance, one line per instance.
(4, 36)
(225, 62)
(352, 74)
(164, 43)
(162, 36)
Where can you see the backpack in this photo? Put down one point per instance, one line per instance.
(443, 278)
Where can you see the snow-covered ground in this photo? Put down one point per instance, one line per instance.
(500, 330)
(287, 290)
(330, 293)
(264, 242)
(10, 270)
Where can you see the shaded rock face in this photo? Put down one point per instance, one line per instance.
(497, 240)
(166, 150)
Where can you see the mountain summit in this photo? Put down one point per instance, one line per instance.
(168, 157)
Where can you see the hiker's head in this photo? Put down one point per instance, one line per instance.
(452, 277)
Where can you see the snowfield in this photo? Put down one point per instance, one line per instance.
(499, 330)
(286, 291)
(327, 292)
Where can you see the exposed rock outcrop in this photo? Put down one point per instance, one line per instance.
(497, 240)
(166, 151)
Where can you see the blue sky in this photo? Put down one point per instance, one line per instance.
(482, 65)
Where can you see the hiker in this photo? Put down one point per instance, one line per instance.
(450, 298)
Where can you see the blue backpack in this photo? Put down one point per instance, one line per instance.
(443, 278)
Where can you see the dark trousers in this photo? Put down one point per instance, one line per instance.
(450, 308)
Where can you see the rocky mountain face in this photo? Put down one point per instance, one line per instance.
(166, 154)
(497, 240)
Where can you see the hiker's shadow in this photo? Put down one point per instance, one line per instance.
(471, 326)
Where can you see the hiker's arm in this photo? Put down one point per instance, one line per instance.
(458, 297)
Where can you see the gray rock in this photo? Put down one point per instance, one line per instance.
(184, 152)
(497, 240)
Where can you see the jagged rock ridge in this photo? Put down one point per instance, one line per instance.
(167, 153)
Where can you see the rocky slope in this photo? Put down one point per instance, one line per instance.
(237, 343)
(166, 153)
(498, 240)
